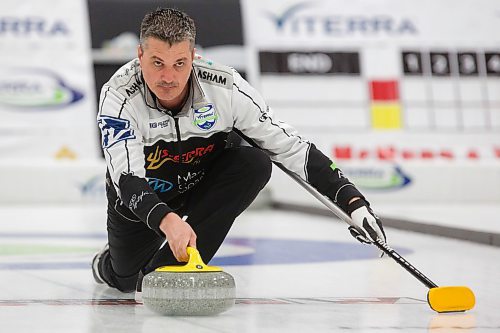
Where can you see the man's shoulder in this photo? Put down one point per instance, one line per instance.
(212, 73)
(126, 80)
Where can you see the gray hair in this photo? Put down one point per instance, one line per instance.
(169, 25)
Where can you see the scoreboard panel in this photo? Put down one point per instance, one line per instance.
(326, 85)
(389, 90)
(436, 90)
(453, 92)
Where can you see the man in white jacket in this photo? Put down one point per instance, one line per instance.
(164, 119)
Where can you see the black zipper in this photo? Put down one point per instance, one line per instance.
(178, 131)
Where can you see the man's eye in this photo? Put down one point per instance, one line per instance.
(157, 63)
(179, 64)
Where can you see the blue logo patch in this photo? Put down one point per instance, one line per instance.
(160, 185)
(205, 117)
(114, 130)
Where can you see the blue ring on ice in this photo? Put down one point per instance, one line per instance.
(256, 251)
(297, 251)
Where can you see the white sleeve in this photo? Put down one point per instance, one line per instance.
(124, 152)
(256, 121)
(121, 139)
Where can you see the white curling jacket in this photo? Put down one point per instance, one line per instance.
(153, 155)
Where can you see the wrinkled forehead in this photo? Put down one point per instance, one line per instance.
(153, 44)
(154, 47)
(146, 42)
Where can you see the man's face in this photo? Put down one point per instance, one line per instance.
(166, 69)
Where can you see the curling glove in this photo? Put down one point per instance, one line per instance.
(370, 226)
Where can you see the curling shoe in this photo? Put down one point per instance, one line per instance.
(96, 264)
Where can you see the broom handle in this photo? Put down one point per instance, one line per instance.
(343, 216)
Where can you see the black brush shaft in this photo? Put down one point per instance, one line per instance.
(343, 216)
(404, 263)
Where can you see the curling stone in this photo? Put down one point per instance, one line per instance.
(194, 289)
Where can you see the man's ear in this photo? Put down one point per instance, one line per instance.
(140, 52)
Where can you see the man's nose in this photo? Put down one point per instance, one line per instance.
(167, 76)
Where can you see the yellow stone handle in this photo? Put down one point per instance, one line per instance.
(195, 264)
(194, 257)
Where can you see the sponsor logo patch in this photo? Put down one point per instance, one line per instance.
(159, 124)
(161, 156)
(137, 199)
(212, 77)
(131, 90)
(189, 180)
(160, 185)
(205, 117)
(114, 130)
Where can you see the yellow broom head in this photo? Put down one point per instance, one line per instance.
(451, 299)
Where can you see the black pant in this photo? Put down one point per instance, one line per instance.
(228, 188)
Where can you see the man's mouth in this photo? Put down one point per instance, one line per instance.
(166, 86)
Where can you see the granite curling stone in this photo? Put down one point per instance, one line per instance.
(194, 289)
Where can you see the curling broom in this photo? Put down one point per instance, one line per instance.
(440, 299)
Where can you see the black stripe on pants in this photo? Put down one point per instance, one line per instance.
(228, 188)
